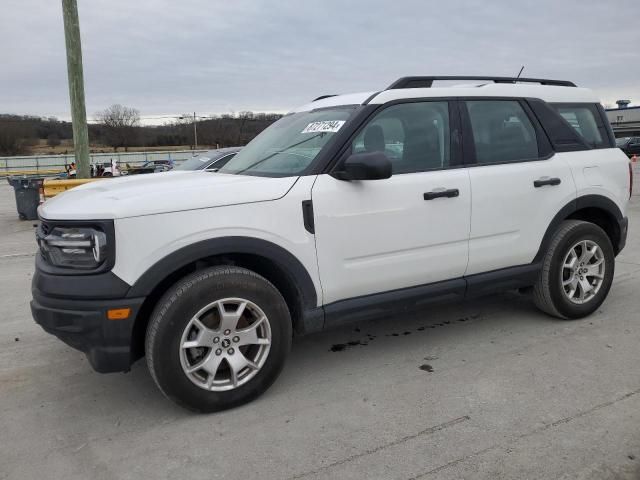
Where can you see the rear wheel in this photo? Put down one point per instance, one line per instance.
(577, 271)
(218, 338)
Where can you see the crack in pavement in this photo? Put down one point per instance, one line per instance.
(426, 431)
(16, 255)
(544, 428)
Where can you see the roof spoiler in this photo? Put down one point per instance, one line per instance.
(427, 82)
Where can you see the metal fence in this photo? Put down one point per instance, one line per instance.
(52, 163)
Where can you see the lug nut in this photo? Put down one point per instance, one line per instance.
(236, 339)
(216, 339)
(219, 351)
(227, 332)
(231, 351)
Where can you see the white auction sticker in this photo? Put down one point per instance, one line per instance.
(325, 126)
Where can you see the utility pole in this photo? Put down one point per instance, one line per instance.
(76, 87)
(195, 132)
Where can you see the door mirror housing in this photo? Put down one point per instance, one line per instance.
(365, 166)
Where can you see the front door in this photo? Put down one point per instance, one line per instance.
(380, 235)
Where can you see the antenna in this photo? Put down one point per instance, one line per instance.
(519, 73)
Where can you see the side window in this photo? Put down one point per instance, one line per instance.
(415, 136)
(502, 131)
(585, 119)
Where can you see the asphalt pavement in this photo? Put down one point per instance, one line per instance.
(486, 389)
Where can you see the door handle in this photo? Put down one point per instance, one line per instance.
(541, 182)
(450, 193)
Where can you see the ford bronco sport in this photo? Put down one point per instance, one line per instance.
(349, 207)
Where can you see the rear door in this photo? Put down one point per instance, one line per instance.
(517, 183)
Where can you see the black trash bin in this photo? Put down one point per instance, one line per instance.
(27, 190)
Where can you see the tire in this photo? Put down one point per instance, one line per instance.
(550, 293)
(185, 316)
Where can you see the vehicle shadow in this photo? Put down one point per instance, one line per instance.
(435, 327)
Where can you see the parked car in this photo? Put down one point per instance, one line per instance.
(351, 207)
(211, 160)
(109, 169)
(151, 166)
(106, 169)
(629, 145)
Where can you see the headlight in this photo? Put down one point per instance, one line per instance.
(78, 247)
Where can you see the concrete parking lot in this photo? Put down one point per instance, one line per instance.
(491, 389)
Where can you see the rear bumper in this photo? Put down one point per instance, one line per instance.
(83, 324)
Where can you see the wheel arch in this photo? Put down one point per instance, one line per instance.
(596, 209)
(267, 259)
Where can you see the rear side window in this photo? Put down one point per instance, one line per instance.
(584, 119)
(502, 131)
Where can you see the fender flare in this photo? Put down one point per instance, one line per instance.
(594, 201)
(285, 260)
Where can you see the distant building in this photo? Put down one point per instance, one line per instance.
(624, 120)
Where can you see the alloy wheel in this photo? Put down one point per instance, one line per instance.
(225, 344)
(583, 271)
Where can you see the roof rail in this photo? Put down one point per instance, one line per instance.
(427, 82)
(321, 97)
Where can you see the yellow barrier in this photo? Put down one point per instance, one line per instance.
(53, 187)
(17, 173)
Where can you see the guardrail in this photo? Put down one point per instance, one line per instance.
(54, 164)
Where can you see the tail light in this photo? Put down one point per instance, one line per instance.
(630, 179)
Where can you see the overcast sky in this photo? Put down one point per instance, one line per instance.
(165, 57)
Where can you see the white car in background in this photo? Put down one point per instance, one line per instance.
(211, 160)
(109, 169)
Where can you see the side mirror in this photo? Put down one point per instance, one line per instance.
(365, 166)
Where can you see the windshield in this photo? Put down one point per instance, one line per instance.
(289, 146)
(200, 161)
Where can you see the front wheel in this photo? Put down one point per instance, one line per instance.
(577, 271)
(218, 338)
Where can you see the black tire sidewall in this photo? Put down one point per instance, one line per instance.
(194, 293)
(585, 231)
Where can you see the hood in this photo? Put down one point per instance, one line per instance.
(160, 193)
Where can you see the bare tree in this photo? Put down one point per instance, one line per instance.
(53, 140)
(15, 136)
(243, 116)
(120, 125)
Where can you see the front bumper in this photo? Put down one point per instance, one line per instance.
(82, 322)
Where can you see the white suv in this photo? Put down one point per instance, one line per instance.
(349, 207)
